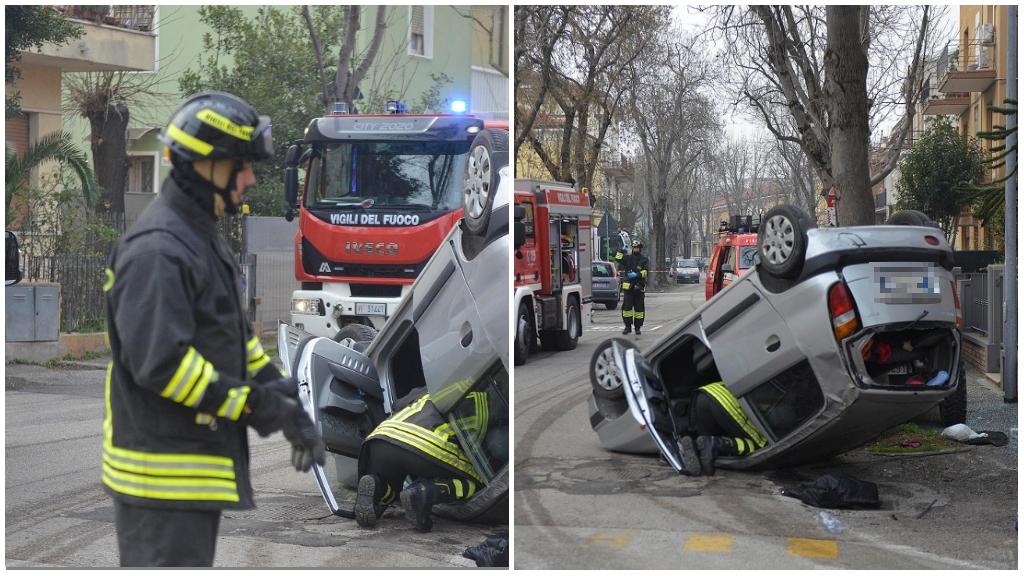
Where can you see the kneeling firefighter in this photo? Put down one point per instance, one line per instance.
(417, 441)
(634, 267)
(721, 429)
(188, 374)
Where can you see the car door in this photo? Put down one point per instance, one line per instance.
(340, 390)
(642, 389)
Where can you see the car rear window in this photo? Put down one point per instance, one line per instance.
(601, 270)
(787, 400)
(687, 264)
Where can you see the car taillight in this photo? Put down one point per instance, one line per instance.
(956, 304)
(840, 307)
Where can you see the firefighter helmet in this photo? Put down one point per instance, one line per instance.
(217, 125)
(638, 244)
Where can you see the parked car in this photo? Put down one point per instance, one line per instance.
(604, 284)
(450, 334)
(687, 270)
(836, 335)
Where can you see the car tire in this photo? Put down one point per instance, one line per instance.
(782, 240)
(611, 305)
(953, 410)
(524, 335)
(354, 334)
(603, 378)
(567, 339)
(911, 218)
(488, 154)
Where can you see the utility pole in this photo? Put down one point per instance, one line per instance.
(1009, 375)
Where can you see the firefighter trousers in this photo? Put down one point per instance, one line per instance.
(161, 537)
(393, 463)
(633, 308)
(711, 417)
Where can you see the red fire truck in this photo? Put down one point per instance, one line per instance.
(380, 193)
(552, 266)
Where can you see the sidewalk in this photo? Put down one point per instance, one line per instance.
(987, 411)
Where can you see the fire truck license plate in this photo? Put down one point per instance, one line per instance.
(365, 308)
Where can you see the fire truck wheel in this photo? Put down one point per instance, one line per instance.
(782, 240)
(604, 378)
(524, 334)
(352, 334)
(566, 339)
(487, 156)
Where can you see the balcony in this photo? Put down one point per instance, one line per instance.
(116, 38)
(970, 68)
(947, 103)
(615, 165)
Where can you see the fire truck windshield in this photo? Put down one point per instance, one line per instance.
(416, 175)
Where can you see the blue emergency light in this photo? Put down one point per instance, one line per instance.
(396, 107)
(458, 106)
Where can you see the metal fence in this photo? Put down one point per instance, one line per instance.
(974, 301)
(81, 288)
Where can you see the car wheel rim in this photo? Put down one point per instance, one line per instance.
(779, 239)
(604, 370)
(478, 182)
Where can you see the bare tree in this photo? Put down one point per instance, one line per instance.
(816, 67)
(352, 66)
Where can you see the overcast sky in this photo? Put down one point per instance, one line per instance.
(738, 123)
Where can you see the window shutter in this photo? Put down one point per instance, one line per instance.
(416, 20)
(17, 132)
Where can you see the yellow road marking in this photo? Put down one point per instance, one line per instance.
(612, 539)
(812, 548)
(710, 543)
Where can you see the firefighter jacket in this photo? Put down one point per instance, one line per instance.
(418, 425)
(174, 433)
(629, 262)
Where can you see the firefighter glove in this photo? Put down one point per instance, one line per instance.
(272, 406)
(306, 444)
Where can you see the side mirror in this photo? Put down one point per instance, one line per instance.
(519, 228)
(13, 263)
(291, 180)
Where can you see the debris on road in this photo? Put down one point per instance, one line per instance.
(963, 433)
(836, 491)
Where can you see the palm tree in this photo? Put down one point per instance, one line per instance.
(56, 146)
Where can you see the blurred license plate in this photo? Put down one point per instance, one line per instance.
(907, 285)
(903, 369)
(371, 309)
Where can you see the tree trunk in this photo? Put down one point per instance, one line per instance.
(109, 154)
(846, 71)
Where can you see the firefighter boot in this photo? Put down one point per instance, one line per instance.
(711, 447)
(372, 497)
(418, 499)
(688, 456)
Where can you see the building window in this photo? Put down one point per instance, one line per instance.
(140, 174)
(421, 31)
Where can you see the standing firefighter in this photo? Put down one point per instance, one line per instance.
(418, 441)
(188, 374)
(633, 267)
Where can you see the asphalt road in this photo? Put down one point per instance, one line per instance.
(579, 506)
(57, 514)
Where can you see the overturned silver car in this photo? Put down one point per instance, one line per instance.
(835, 336)
(449, 334)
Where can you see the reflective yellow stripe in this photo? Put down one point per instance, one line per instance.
(625, 285)
(200, 388)
(181, 481)
(189, 141)
(627, 313)
(258, 364)
(166, 469)
(426, 436)
(725, 398)
(471, 488)
(110, 280)
(643, 274)
(252, 345)
(638, 314)
(157, 493)
(185, 460)
(419, 438)
(226, 126)
(174, 388)
(458, 487)
(202, 418)
(233, 404)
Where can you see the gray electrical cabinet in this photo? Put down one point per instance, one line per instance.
(33, 312)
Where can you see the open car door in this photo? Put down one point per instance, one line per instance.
(340, 390)
(646, 400)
